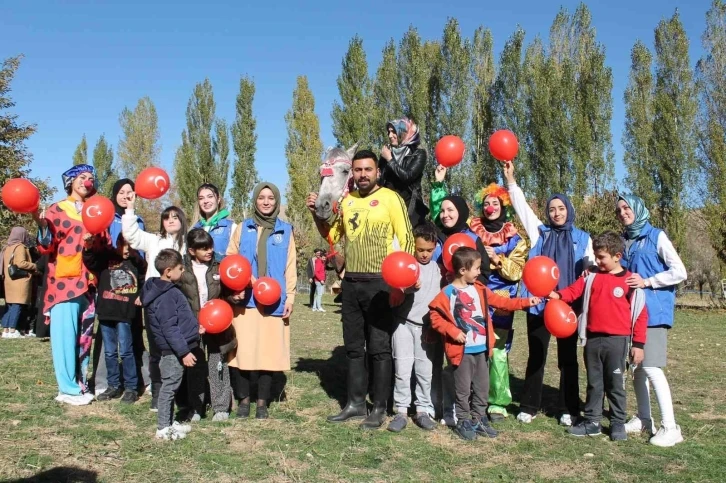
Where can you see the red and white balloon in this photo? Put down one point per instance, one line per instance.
(152, 183)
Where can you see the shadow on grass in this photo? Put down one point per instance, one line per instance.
(331, 372)
(64, 474)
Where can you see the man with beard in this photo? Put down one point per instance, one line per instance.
(371, 217)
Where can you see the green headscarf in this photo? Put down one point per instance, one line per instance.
(267, 222)
(642, 215)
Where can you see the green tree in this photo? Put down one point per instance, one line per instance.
(711, 83)
(673, 144)
(352, 116)
(14, 156)
(413, 77)
(386, 96)
(80, 156)
(139, 149)
(244, 142)
(638, 131)
(483, 70)
(204, 151)
(303, 151)
(103, 163)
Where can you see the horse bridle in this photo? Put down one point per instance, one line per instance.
(326, 171)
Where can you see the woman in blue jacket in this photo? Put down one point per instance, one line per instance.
(263, 332)
(657, 269)
(571, 249)
(214, 219)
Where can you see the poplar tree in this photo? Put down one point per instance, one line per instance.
(483, 70)
(80, 155)
(353, 115)
(103, 163)
(244, 142)
(387, 104)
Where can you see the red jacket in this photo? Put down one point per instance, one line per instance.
(443, 322)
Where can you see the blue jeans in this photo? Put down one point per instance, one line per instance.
(12, 315)
(117, 341)
(319, 291)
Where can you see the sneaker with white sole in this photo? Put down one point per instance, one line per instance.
(181, 428)
(13, 335)
(30, 334)
(220, 417)
(667, 437)
(637, 425)
(169, 433)
(525, 418)
(78, 400)
(566, 420)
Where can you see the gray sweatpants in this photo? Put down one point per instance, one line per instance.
(411, 353)
(605, 363)
(220, 389)
(471, 379)
(172, 372)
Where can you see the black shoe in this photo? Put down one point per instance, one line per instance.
(398, 424)
(261, 412)
(465, 430)
(585, 428)
(130, 397)
(110, 393)
(617, 432)
(243, 410)
(483, 428)
(357, 386)
(424, 421)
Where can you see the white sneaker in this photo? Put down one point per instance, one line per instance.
(30, 334)
(525, 418)
(90, 397)
(635, 425)
(321, 310)
(565, 420)
(5, 335)
(79, 400)
(220, 417)
(665, 437)
(169, 433)
(181, 428)
(13, 335)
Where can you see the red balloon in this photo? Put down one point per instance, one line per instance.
(453, 243)
(449, 151)
(20, 195)
(152, 183)
(98, 213)
(559, 318)
(540, 275)
(266, 291)
(503, 145)
(216, 316)
(400, 270)
(235, 272)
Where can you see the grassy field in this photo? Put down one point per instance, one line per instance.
(41, 440)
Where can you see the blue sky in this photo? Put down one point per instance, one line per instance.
(85, 61)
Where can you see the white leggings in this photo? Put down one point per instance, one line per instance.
(657, 378)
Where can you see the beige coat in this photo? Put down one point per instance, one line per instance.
(18, 291)
(263, 341)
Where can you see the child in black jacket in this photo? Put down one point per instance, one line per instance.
(120, 272)
(176, 332)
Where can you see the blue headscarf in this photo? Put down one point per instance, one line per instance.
(641, 213)
(73, 173)
(558, 245)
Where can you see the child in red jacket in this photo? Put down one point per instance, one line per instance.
(613, 318)
(460, 312)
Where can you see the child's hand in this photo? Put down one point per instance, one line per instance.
(138, 302)
(202, 330)
(636, 355)
(87, 241)
(418, 284)
(396, 297)
(461, 338)
(189, 360)
(553, 295)
(534, 301)
(238, 297)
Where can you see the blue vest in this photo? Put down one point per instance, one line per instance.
(277, 248)
(579, 246)
(115, 230)
(642, 258)
(220, 233)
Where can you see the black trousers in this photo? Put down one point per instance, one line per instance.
(605, 363)
(367, 319)
(312, 293)
(538, 338)
(242, 386)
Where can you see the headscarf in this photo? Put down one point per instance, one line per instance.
(408, 136)
(18, 235)
(463, 209)
(74, 172)
(641, 213)
(120, 210)
(267, 222)
(558, 245)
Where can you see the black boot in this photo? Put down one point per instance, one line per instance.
(357, 384)
(382, 389)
